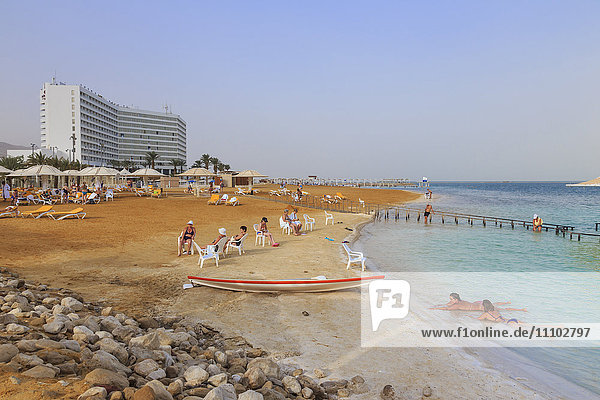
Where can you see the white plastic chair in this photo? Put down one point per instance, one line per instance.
(232, 202)
(259, 235)
(191, 247)
(308, 222)
(328, 217)
(354, 257)
(110, 195)
(285, 227)
(240, 246)
(362, 202)
(211, 251)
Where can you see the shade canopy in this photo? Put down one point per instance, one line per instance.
(17, 172)
(4, 170)
(39, 170)
(124, 172)
(147, 173)
(99, 171)
(71, 172)
(197, 172)
(250, 173)
(85, 170)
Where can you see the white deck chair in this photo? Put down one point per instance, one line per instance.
(354, 257)
(60, 215)
(361, 202)
(259, 235)
(92, 199)
(110, 195)
(328, 217)
(10, 211)
(241, 192)
(285, 227)
(232, 202)
(212, 251)
(191, 247)
(308, 222)
(232, 245)
(223, 199)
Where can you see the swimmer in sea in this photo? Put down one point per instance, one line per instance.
(491, 314)
(428, 211)
(457, 304)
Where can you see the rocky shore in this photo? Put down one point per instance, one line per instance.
(52, 335)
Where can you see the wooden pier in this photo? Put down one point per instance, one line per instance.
(399, 213)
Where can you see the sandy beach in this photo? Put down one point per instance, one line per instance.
(124, 254)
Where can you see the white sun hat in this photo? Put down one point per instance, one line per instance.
(190, 222)
(222, 231)
(534, 216)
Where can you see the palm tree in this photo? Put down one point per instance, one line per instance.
(12, 163)
(197, 164)
(176, 162)
(151, 157)
(215, 163)
(226, 167)
(205, 161)
(38, 159)
(115, 164)
(128, 164)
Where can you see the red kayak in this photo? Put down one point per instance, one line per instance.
(289, 285)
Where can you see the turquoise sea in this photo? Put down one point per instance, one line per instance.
(411, 246)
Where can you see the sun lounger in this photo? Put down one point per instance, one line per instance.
(232, 245)
(10, 211)
(214, 199)
(232, 202)
(242, 192)
(354, 257)
(60, 215)
(223, 199)
(341, 196)
(43, 210)
(273, 193)
(92, 198)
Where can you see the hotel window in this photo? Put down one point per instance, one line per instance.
(73, 128)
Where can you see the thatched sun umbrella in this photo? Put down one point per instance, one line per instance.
(251, 174)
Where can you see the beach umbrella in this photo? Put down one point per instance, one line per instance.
(196, 172)
(250, 173)
(147, 173)
(39, 171)
(4, 171)
(99, 171)
(124, 172)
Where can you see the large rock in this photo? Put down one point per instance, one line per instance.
(43, 344)
(150, 341)
(95, 393)
(104, 377)
(7, 352)
(291, 385)
(6, 319)
(16, 329)
(40, 372)
(72, 303)
(250, 395)
(102, 359)
(55, 327)
(114, 348)
(145, 367)
(160, 392)
(157, 374)
(195, 376)
(27, 360)
(268, 366)
(145, 393)
(256, 377)
(223, 392)
(27, 345)
(109, 323)
(308, 382)
(85, 332)
(148, 322)
(218, 380)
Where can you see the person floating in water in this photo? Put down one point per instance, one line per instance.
(491, 314)
(457, 304)
(537, 223)
(428, 211)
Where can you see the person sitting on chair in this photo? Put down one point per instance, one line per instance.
(295, 227)
(265, 231)
(222, 234)
(237, 239)
(187, 237)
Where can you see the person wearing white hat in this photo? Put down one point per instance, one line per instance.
(537, 223)
(222, 234)
(187, 237)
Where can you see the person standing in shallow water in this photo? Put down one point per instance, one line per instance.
(428, 211)
(537, 223)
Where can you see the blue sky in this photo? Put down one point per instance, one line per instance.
(450, 90)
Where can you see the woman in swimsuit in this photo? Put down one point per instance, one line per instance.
(187, 237)
(237, 239)
(490, 314)
(457, 304)
(290, 221)
(265, 231)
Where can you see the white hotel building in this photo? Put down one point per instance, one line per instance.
(105, 131)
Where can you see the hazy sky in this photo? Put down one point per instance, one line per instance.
(450, 89)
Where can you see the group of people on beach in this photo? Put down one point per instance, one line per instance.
(490, 310)
(188, 235)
